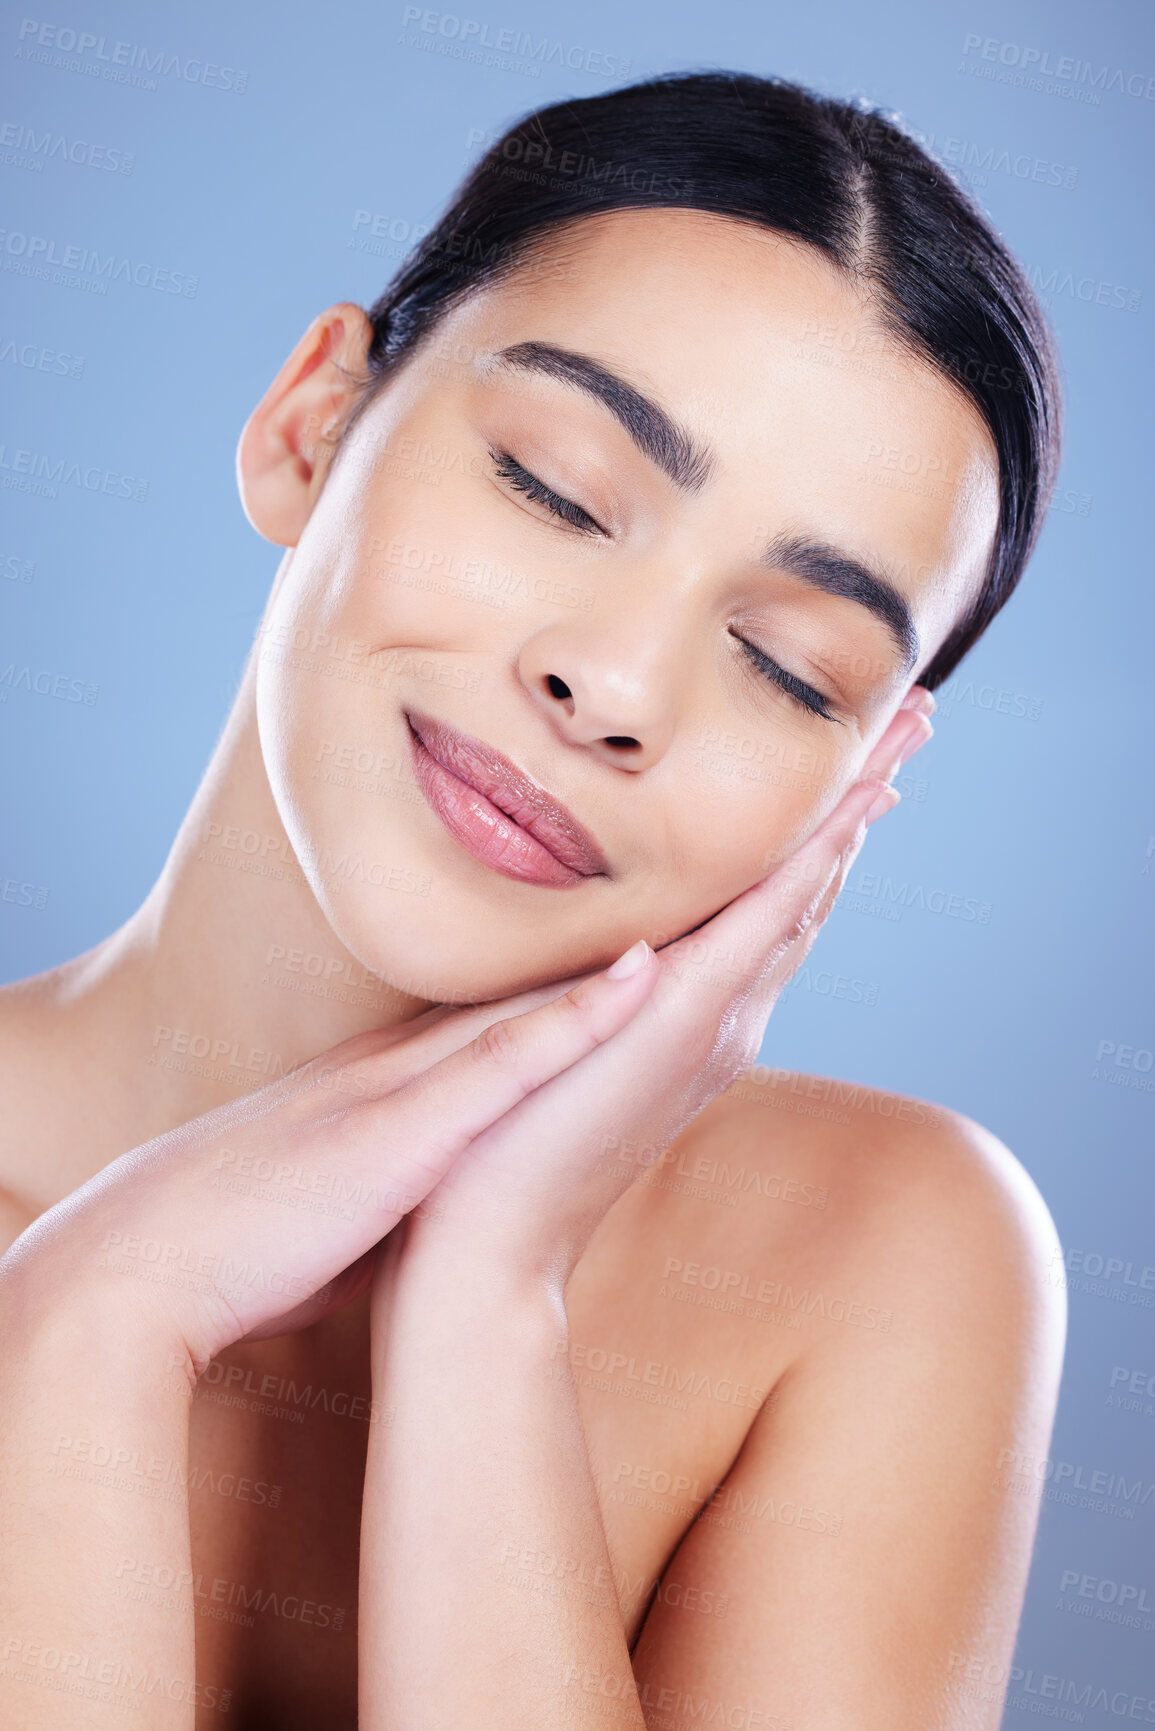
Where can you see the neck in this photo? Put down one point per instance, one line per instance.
(229, 974)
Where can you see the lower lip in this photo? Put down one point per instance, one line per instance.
(485, 831)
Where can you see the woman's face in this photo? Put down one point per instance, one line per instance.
(667, 523)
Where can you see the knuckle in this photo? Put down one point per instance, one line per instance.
(580, 1001)
(797, 927)
(804, 919)
(497, 1044)
(583, 1013)
(344, 1083)
(804, 875)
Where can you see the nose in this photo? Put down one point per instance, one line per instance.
(611, 688)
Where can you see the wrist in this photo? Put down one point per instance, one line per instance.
(492, 1270)
(93, 1422)
(66, 1313)
(456, 1301)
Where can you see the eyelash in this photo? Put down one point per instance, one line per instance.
(522, 481)
(802, 694)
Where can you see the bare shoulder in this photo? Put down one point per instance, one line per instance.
(894, 1279)
(920, 1204)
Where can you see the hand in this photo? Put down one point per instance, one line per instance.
(525, 1196)
(260, 1217)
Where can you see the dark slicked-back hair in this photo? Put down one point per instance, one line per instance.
(845, 179)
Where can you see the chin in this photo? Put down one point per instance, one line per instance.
(419, 944)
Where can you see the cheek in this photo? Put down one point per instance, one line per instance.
(366, 617)
(334, 752)
(759, 795)
(742, 808)
(434, 568)
(739, 799)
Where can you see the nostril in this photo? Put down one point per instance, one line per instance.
(559, 689)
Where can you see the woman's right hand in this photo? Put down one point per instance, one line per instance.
(259, 1217)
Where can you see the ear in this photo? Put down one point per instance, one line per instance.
(289, 439)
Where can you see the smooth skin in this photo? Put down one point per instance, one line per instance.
(534, 1180)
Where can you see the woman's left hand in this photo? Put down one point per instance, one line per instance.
(526, 1195)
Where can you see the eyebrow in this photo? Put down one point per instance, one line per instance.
(679, 456)
(836, 573)
(690, 464)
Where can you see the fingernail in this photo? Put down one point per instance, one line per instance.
(920, 700)
(915, 743)
(918, 732)
(886, 801)
(632, 962)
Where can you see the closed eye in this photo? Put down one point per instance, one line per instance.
(520, 479)
(803, 694)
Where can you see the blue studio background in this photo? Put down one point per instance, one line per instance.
(990, 953)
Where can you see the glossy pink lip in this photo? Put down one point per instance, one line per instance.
(496, 812)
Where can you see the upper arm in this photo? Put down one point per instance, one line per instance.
(867, 1543)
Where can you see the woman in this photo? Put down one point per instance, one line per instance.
(510, 1363)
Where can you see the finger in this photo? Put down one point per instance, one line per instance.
(382, 1060)
(794, 954)
(342, 1290)
(825, 857)
(753, 946)
(764, 936)
(253, 1215)
(920, 698)
(438, 1113)
(908, 732)
(690, 1038)
(752, 931)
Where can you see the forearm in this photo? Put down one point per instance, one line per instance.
(93, 1465)
(486, 1586)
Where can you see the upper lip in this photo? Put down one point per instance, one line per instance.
(512, 791)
